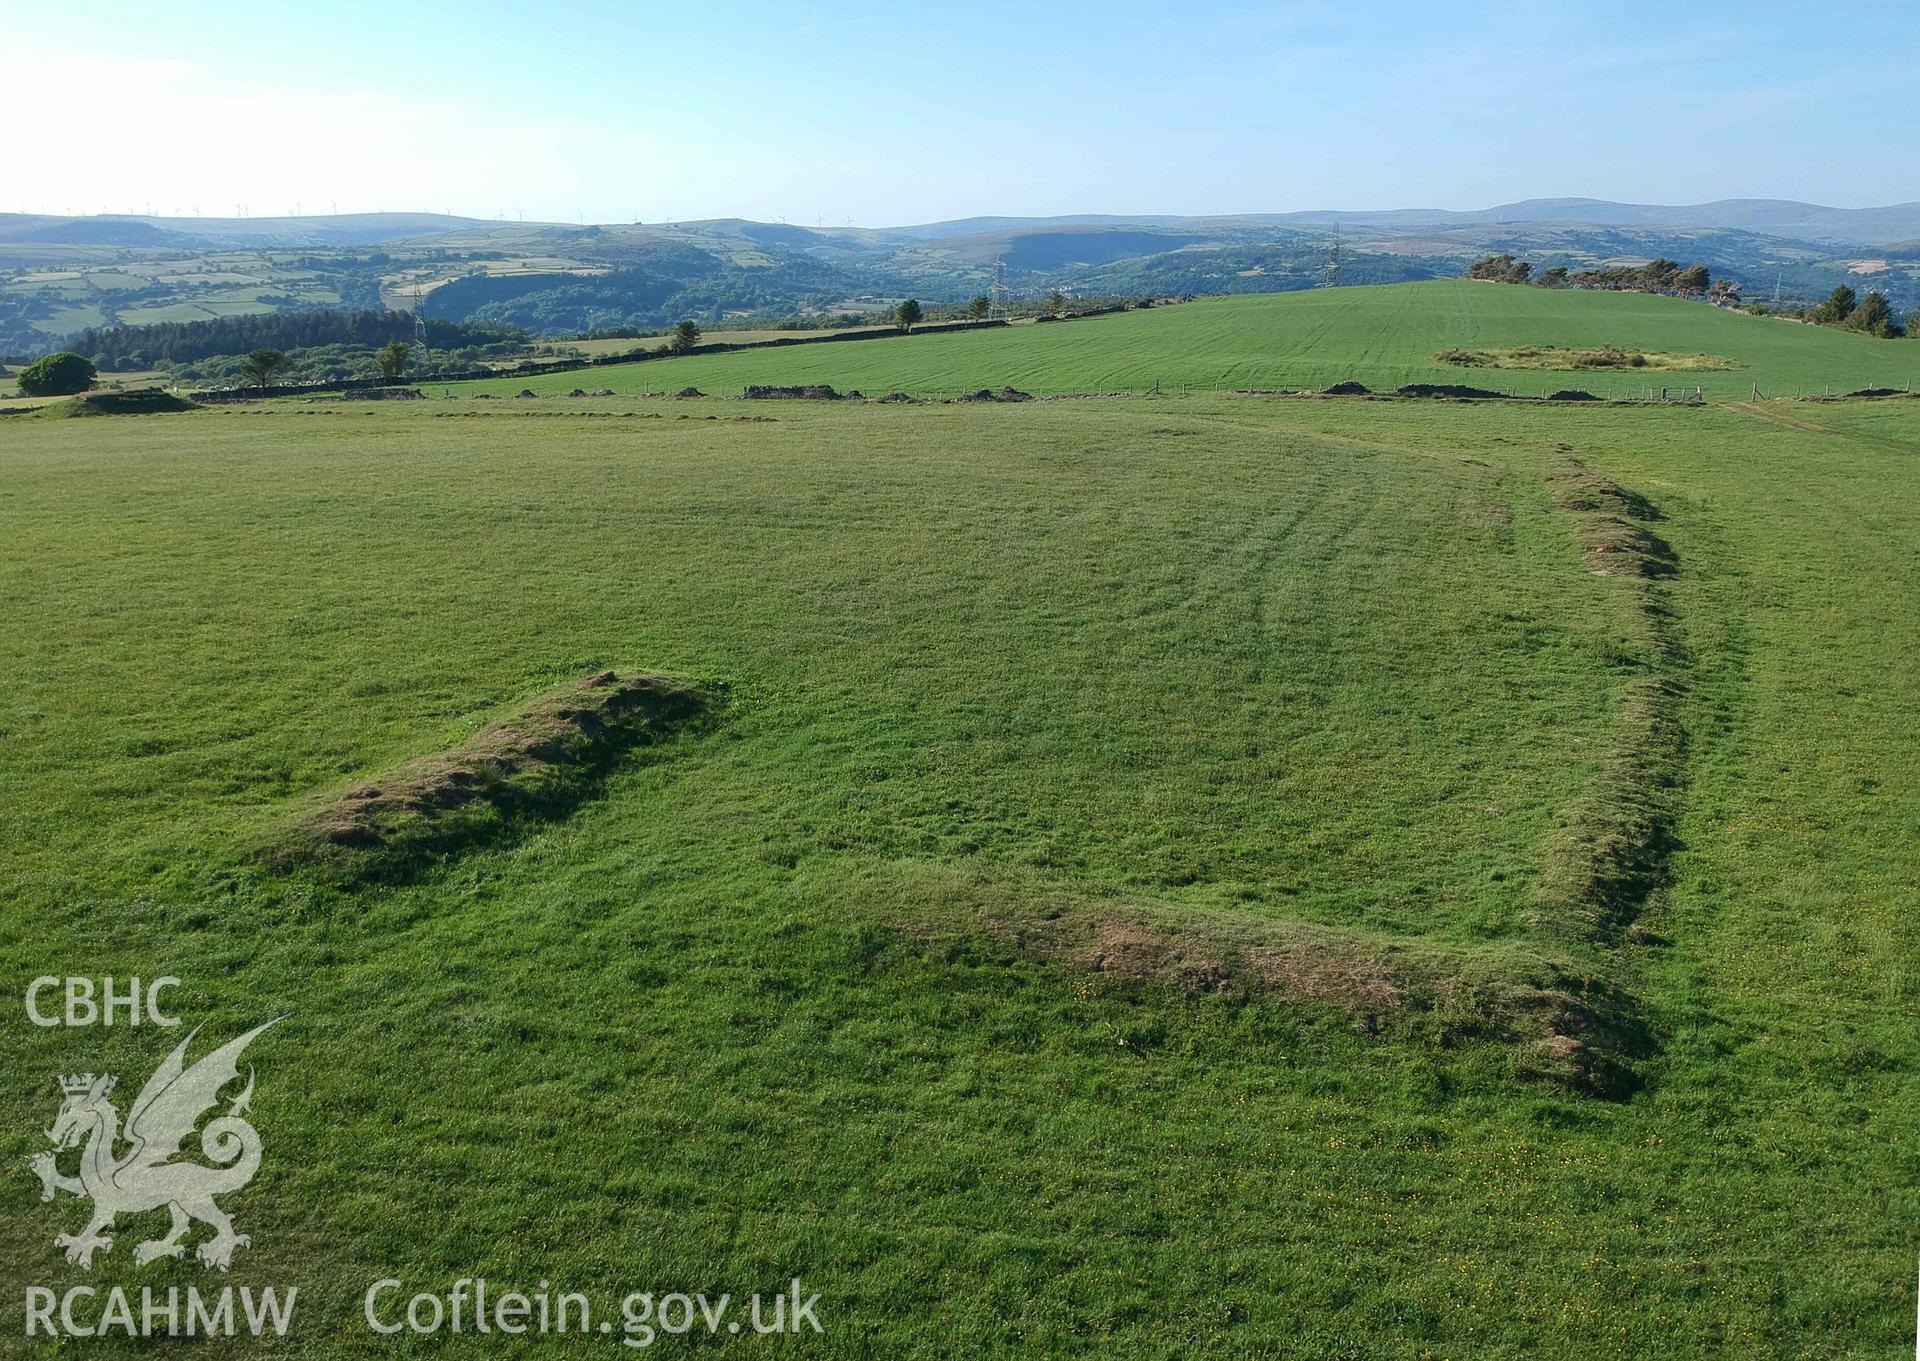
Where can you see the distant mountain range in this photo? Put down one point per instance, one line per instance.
(346, 229)
(1809, 222)
(59, 275)
(1768, 216)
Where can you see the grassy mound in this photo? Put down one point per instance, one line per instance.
(1453, 390)
(1608, 859)
(537, 762)
(140, 402)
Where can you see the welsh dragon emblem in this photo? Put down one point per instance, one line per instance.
(147, 1176)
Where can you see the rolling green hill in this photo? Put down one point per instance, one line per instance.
(1152, 887)
(58, 275)
(1381, 336)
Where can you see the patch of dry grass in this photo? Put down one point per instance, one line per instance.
(1562, 358)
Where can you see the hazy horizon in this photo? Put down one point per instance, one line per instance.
(826, 119)
(1156, 213)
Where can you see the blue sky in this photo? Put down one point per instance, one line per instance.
(883, 115)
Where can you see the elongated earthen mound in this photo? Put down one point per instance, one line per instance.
(139, 402)
(539, 762)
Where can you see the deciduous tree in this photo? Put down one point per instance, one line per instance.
(1500, 269)
(261, 366)
(392, 359)
(57, 375)
(1693, 281)
(1661, 273)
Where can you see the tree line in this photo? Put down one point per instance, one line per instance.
(328, 364)
(1656, 276)
(670, 285)
(1871, 315)
(183, 342)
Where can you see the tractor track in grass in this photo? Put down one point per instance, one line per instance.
(1807, 427)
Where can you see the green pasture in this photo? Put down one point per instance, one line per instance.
(1382, 336)
(836, 987)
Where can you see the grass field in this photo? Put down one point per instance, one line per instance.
(1103, 917)
(1381, 336)
(137, 288)
(597, 348)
